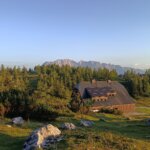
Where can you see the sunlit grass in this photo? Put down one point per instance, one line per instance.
(145, 102)
(143, 110)
(86, 117)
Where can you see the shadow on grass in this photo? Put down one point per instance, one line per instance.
(11, 143)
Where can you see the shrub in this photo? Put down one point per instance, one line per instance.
(84, 109)
(43, 112)
(111, 111)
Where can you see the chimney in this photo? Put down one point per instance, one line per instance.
(109, 81)
(93, 82)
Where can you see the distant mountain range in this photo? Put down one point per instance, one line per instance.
(94, 65)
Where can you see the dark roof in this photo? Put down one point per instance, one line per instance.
(98, 91)
(122, 96)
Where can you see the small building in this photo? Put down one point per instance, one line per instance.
(106, 94)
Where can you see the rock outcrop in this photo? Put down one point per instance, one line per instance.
(43, 138)
(86, 123)
(18, 121)
(68, 126)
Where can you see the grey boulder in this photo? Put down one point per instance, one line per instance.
(43, 138)
(68, 126)
(18, 121)
(86, 123)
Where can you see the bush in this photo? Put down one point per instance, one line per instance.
(43, 113)
(49, 109)
(84, 109)
(111, 111)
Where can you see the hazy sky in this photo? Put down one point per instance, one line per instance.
(111, 31)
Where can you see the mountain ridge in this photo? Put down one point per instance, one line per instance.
(93, 65)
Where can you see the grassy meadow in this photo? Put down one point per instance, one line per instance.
(110, 132)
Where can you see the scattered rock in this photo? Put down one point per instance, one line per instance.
(9, 126)
(68, 126)
(86, 123)
(18, 121)
(43, 138)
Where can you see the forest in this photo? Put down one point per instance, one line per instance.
(45, 91)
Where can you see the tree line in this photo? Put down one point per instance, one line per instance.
(46, 90)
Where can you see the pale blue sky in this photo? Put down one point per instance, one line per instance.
(111, 31)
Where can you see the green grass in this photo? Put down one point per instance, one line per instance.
(145, 102)
(12, 138)
(145, 110)
(143, 107)
(110, 132)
